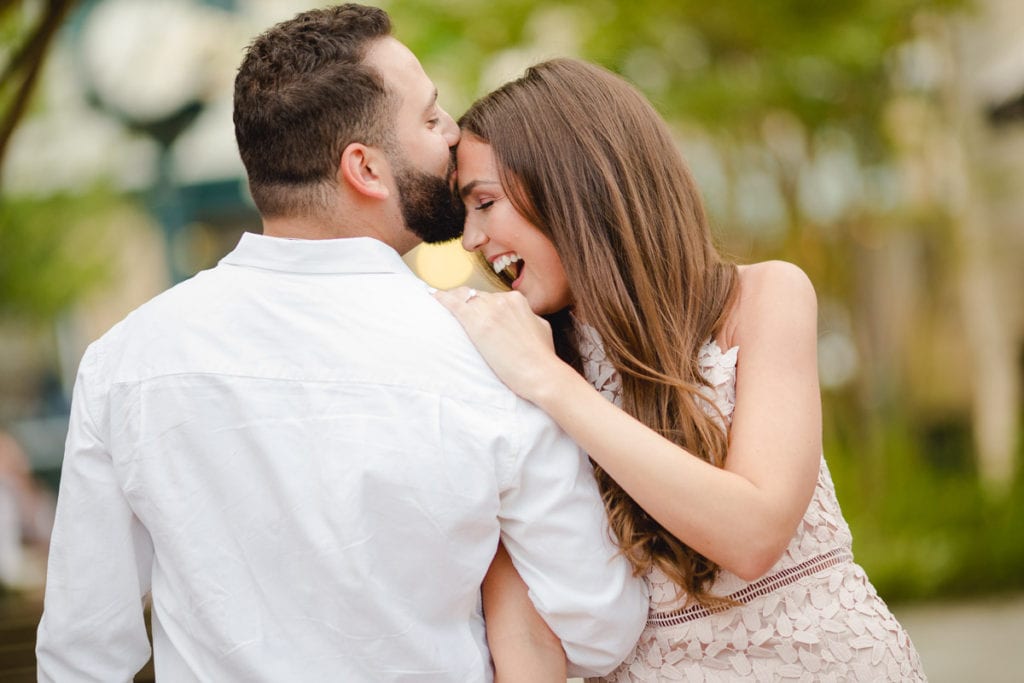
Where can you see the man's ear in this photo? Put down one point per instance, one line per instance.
(364, 168)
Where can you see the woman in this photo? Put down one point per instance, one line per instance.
(705, 426)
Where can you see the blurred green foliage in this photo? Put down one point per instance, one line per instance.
(921, 529)
(828, 73)
(723, 64)
(53, 250)
(923, 525)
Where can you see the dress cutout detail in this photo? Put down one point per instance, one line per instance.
(814, 616)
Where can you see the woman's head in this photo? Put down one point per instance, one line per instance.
(588, 163)
(520, 254)
(585, 158)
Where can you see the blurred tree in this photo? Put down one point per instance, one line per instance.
(795, 116)
(792, 114)
(23, 63)
(992, 334)
(837, 135)
(47, 259)
(49, 255)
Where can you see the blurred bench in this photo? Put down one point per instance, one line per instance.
(19, 617)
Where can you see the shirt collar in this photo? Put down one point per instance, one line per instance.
(346, 255)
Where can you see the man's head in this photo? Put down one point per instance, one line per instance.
(419, 154)
(332, 88)
(302, 94)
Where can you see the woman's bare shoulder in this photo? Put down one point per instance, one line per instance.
(774, 277)
(771, 293)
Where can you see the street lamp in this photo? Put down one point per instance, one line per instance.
(145, 63)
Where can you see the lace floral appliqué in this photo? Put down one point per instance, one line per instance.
(814, 616)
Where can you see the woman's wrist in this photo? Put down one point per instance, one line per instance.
(553, 380)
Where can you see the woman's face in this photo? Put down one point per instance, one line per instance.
(509, 242)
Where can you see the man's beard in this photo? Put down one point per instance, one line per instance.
(430, 207)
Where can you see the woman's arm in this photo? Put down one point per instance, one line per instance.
(522, 646)
(742, 516)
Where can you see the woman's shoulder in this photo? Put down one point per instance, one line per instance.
(771, 293)
(773, 278)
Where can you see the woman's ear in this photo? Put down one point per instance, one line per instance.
(364, 168)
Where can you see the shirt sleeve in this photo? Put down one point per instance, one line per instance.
(556, 532)
(93, 628)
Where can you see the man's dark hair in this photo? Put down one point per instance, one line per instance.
(302, 95)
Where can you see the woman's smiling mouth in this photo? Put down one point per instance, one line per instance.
(508, 266)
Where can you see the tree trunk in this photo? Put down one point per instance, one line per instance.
(988, 325)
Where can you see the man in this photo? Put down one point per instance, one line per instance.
(298, 453)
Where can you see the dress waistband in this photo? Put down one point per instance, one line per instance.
(763, 586)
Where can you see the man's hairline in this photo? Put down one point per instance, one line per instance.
(392, 99)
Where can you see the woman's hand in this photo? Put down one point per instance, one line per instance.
(515, 342)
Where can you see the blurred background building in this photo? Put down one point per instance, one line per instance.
(880, 146)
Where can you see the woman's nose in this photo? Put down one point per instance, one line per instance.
(473, 238)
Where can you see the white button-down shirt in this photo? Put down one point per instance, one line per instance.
(304, 460)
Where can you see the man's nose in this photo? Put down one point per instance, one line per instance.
(451, 129)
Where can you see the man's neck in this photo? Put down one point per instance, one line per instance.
(306, 228)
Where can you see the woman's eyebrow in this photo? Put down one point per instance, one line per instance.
(468, 187)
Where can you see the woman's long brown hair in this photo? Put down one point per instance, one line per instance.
(585, 158)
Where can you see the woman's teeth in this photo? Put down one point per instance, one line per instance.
(509, 263)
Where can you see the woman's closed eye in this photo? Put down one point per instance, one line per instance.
(483, 206)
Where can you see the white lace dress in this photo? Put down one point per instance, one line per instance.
(814, 616)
